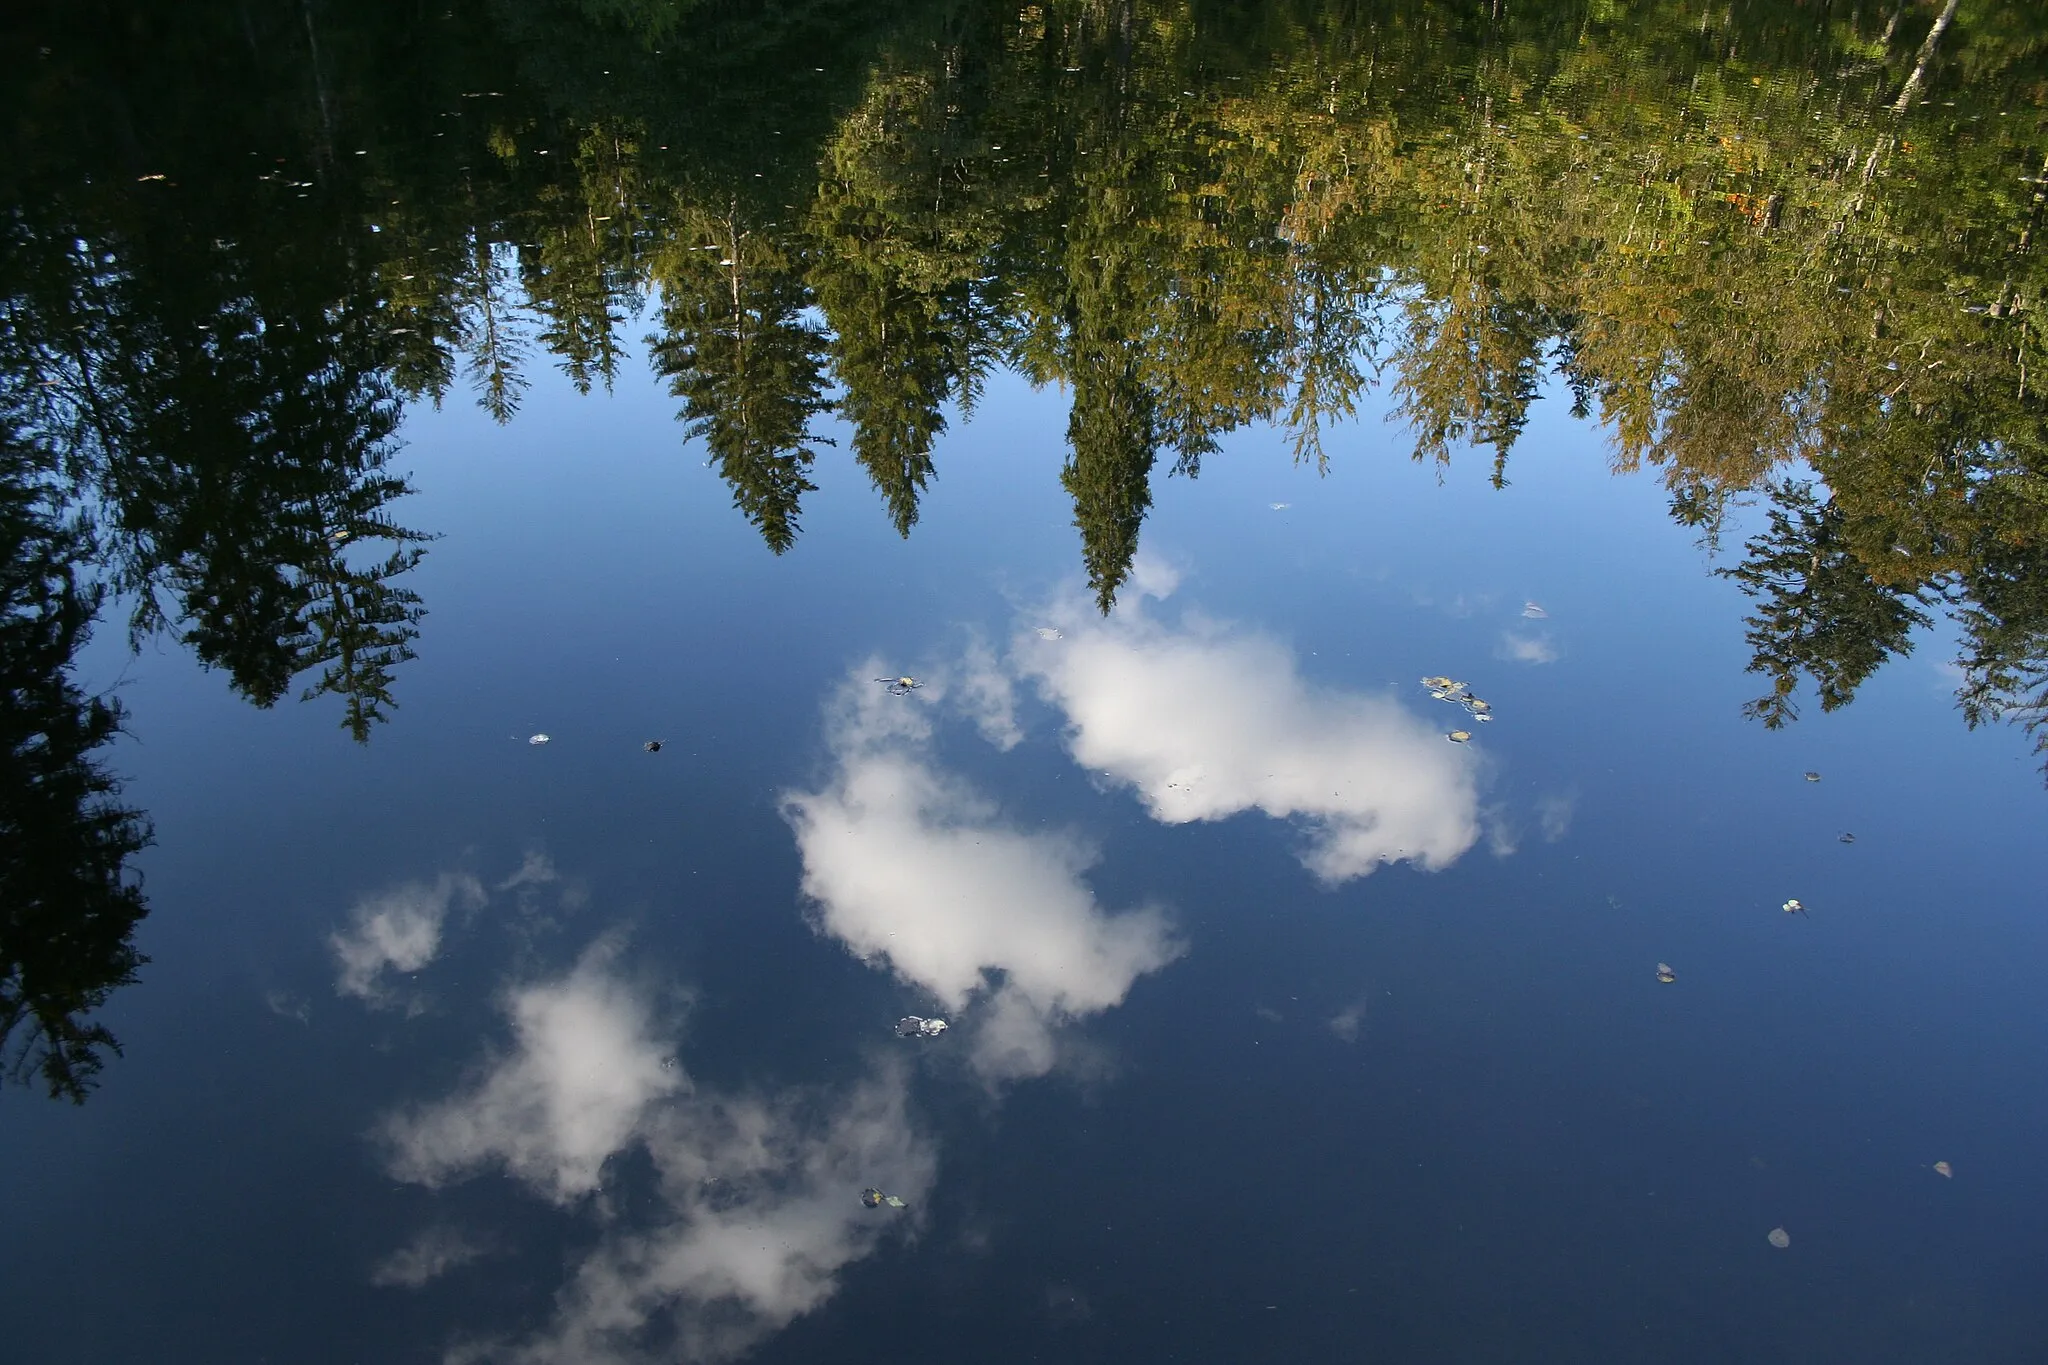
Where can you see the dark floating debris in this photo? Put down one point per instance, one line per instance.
(652, 746)
(874, 1199)
(912, 1026)
(901, 686)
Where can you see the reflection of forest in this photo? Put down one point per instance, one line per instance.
(1779, 252)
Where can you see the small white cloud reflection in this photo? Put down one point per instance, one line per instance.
(1207, 720)
(1554, 815)
(584, 1071)
(988, 695)
(757, 1196)
(534, 870)
(397, 931)
(1347, 1022)
(431, 1254)
(1527, 649)
(911, 865)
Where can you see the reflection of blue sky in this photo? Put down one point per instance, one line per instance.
(593, 582)
(756, 1208)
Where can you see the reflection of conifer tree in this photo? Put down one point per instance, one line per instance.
(1819, 612)
(582, 279)
(1470, 368)
(491, 330)
(68, 909)
(2005, 636)
(893, 365)
(896, 274)
(748, 367)
(229, 461)
(1112, 433)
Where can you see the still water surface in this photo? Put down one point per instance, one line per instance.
(1283, 1027)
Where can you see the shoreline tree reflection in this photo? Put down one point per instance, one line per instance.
(1779, 254)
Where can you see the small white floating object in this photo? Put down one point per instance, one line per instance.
(1279, 506)
(1048, 633)
(911, 1026)
(538, 739)
(1458, 736)
(1534, 612)
(1778, 1238)
(1793, 907)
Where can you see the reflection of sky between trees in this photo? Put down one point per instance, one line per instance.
(1271, 294)
(763, 1199)
(207, 356)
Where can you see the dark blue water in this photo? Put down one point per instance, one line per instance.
(1282, 1028)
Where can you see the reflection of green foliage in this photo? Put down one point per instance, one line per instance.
(1746, 240)
(1819, 613)
(747, 366)
(68, 908)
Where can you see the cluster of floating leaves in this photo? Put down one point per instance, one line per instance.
(1443, 688)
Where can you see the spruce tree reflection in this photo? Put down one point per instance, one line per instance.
(747, 365)
(1745, 241)
(68, 905)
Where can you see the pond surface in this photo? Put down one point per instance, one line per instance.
(1167, 390)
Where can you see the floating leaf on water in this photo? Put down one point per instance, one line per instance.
(1944, 1170)
(899, 686)
(1440, 683)
(1534, 612)
(1458, 736)
(1665, 974)
(1846, 837)
(892, 1201)
(1793, 907)
(1813, 777)
(1279, 506)
(1048, 633)
(537, 739)
(1778, 1238)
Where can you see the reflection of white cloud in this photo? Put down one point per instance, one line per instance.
(908, 863)
(534, 870)
(987, 694)
(1207, 721)
(1347, 1021)
(757, 1199)
(399, 930)
(1526, 649)
(1554, 815)
(585, 1071)
(428, 1256)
